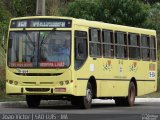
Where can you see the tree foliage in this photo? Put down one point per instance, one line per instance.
(126, 12)
(54, 7)
(4, 21)
(85, 9)
(25, 7)
(154, 18)
(150, 1)
(21, 7)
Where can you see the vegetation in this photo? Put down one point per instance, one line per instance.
(125, 12)
(138, 13)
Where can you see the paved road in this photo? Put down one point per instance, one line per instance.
(65, 111)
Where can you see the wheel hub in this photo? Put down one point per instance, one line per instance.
(89, 95)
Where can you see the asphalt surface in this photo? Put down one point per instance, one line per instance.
(58, 110)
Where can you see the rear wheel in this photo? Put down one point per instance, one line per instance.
(33, 101)
(130, 99)
(86, 101)
(131, 95)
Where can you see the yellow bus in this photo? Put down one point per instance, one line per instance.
(63, 58)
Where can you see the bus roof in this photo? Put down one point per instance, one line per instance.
(97, 24)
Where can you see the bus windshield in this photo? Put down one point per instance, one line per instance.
(37, 49)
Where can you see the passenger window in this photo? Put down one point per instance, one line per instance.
(145, 51)
(134, 46)
(108, 44)
(152, 48)
(95, 42)
(121, 45)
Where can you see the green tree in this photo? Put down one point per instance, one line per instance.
(54, 7)
(150, 1)
(154, 18)
(4, 21)
(86, 9)
(19, 8)
(22, 7)
(125, 12)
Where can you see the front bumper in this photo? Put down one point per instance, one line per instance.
(36, 90)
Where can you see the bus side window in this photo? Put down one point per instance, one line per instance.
(80, 48)
(95, 42)
(145, 45)
(108, 44)
(152, 48)
(121, 45)
(134, 46)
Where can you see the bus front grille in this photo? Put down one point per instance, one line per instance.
(37, 89)
(32, 83)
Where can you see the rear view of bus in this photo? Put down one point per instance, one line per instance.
(39, 59)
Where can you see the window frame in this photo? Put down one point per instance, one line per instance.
(134, 46)
(153, 48)
(125, 45)
(75, 36)
(112, 43)
(93, 42)
(145, 47)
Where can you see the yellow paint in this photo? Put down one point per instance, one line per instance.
(116, 73)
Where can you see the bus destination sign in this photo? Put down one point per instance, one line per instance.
(41, 23)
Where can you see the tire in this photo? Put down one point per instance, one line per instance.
(86, 101)
(33, 101)
(131, 95)
(130, 99)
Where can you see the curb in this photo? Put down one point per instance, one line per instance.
(94, 101)
(137, 100)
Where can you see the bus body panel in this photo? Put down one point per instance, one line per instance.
(112, 75)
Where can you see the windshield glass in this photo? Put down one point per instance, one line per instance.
(47, 49)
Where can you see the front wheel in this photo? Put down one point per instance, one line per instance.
(86, 101)
(33, 101)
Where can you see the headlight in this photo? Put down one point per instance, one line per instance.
(67, 82)
(16, 82)
(10, 81)
(61, 82)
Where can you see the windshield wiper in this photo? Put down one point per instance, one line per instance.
(45, 39)
(30, 40)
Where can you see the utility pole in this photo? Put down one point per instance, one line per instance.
(40, 8)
